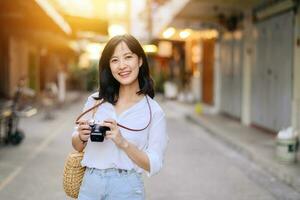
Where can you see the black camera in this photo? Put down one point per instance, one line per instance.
(98, 132)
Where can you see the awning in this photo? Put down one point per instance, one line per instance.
(207, 12)
(31, 14)
(81, 24)
(37, 20)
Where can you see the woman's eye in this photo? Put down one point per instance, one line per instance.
(114, 60)
(128, 57)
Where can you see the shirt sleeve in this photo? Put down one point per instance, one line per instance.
(157, 143)
(88, 104)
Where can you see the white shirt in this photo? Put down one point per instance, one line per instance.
(153, 140)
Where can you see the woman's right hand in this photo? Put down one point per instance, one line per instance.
(84, 130)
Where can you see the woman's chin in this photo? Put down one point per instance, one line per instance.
(126, 81)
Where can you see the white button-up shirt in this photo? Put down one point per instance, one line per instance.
(153, 140)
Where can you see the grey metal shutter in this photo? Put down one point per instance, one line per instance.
(231, 76)
(272, 73)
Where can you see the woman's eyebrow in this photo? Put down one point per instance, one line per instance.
(127, 53)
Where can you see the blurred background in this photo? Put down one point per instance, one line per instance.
(227, 69)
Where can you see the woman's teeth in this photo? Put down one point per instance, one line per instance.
(124, 74)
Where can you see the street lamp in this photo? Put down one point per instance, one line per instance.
(169, 32)
(185, 33)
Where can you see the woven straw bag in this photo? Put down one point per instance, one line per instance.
(73, 174)
(73, 171)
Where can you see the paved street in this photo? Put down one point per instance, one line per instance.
(197, 166)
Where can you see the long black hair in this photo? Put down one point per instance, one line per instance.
(109, 86)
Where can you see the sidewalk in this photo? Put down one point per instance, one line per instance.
(256, 145)
(41, 156)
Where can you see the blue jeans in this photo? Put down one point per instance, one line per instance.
(111, 184)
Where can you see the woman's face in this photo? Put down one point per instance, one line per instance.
(124, 65)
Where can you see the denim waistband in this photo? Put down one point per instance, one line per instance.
(110, 171)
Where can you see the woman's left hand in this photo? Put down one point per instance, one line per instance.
(114, 134)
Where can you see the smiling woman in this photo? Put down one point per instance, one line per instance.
(123, 54)
(114, 165)
(125, 65)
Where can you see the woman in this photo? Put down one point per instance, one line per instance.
(137, 138)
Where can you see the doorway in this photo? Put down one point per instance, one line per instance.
(208, 71)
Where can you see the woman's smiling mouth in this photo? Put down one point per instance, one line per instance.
(124, 74)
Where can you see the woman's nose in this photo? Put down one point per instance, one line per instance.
(122, 64)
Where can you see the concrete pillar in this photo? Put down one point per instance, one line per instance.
(18, 62)
(247, 66)
(296, 76)
(217, 78)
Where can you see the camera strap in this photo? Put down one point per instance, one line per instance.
(150, 119)
(99, 102)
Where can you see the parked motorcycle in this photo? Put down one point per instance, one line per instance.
(11, 112)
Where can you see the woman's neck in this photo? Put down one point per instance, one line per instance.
(129, 93)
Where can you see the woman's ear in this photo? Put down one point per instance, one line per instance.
(140, 62)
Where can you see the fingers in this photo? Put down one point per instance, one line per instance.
(112, 121)
(84, 135)
(83, 127)
(109, 135)
(109, 125)
(81, 121)
(84, 130)
(114, 130)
